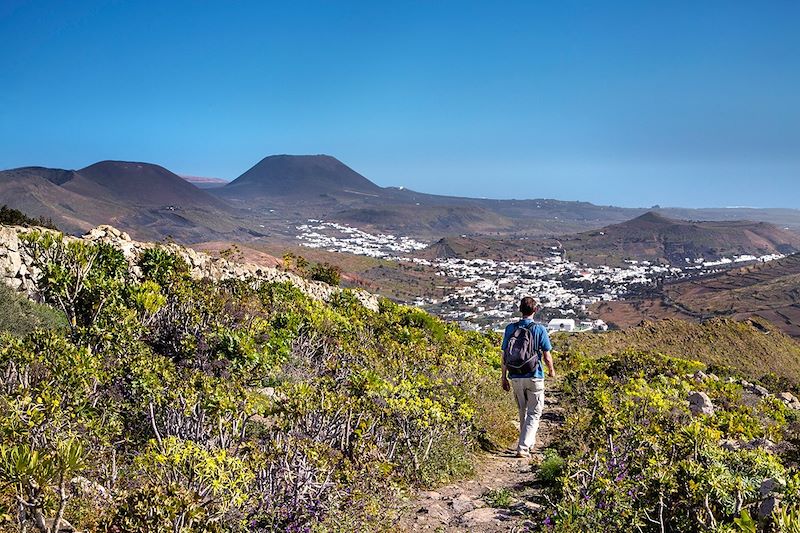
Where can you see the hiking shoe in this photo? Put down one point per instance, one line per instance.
(522, 454)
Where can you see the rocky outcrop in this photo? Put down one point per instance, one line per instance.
(790, 400)
(700, 404)
(18, 271)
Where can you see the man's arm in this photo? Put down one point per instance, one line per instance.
(504, 380)
(548, 360)
(546, 355)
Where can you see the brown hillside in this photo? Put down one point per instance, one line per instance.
(146, 200)
(298, 175)
(769, 290)
(141, 184)
(655, 237)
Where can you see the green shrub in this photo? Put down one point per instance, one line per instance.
(20, 316)
(551, 467)
(234, 406)
(637, 459)
(326, 273)
(14, 217)
(499, 498)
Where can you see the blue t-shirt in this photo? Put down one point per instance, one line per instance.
(541, 343)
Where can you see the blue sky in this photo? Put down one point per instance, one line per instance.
(625, 103)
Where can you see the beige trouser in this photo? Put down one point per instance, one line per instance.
(529, 393)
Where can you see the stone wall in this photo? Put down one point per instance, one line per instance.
(17, 270)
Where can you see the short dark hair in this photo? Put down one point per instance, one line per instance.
(527, 306)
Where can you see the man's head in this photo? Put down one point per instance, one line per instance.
(527, 306)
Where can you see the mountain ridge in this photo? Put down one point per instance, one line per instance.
(144, 199)
(290, 175)
(281, 191)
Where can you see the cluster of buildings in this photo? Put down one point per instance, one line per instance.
(342, 238)
(702, 264)
(487, 292)
(490, 290)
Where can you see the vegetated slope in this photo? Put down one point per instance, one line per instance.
(652, 443)
(655, 237)
(144, 199)
(754, 347)
(174, 403)
(232, 406)
(770, 290)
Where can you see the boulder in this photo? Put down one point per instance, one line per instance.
(700, 404)
(12, 263)
(768, 505)
(790, 400)
(462, 504)
(761, 443)
(437, 511)
(768, 486)
(483, 517)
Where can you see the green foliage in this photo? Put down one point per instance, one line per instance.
(551, 467)
(326, 273)
(14, 217)
(162, 267)
(189, 405)
(637, 459)
(745, 522)
(20, 316)
(499, 498)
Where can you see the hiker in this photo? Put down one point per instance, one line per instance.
(525, 344)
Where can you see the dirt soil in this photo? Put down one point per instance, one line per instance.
(465, 505)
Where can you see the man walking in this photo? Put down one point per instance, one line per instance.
(525, 344)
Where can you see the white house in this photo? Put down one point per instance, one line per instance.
(561, 324)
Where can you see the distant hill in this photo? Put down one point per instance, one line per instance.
(205, 182)
(284, 188)
(651, 236)
(299, 176)
(655, 237)
(768, 290)
(281, 191)
(144, 199)
(142, 184)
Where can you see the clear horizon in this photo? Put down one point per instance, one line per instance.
(690, 105)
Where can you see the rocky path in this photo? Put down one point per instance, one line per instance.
(502, 496)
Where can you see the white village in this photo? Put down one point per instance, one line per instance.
(488, 291)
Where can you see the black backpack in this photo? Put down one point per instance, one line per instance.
(520, 355)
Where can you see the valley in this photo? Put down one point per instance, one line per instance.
(464, 259)
(483, 293)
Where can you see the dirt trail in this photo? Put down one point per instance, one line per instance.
(465, 505)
